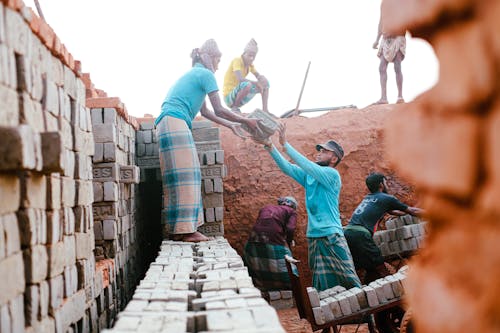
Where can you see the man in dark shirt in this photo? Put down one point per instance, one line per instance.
(359, 231)
(269, 242)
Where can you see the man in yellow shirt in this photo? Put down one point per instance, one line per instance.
(238, 90)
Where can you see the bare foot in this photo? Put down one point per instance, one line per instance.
(400, 100)
(195, 237)
(380, 101)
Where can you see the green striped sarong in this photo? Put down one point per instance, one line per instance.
(331, 263)
(266, 265)
(181, 176)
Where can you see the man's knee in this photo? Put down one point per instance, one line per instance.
(244, 92)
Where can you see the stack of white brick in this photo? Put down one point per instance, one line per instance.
(197, 288)
(403, 234)
(46, 240)
(337, 302)
(115, 176)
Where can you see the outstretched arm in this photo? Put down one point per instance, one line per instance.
(288, 168)
(222, 112)
(210, 115)
(397, 212)
(324, 175)
(415, 211)
(398, 208)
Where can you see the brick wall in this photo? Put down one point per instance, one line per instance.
(49, 278)
(447, 142)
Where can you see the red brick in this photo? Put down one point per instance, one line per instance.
(71, 62)
(439, 152)
(64, 54)
(78, 68)
(491, 191)
(57, 46)
(466, 68)
(489, 15)
(417, 14)
(46, 34)
(104, 102)
(34, 22)
(471, 304)
(101, 93)
(14, 4)
(87, 81)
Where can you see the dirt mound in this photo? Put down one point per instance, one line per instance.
(253, 179)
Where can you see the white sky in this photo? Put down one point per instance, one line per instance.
(136, 50)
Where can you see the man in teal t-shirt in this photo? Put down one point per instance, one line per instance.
(330, 260)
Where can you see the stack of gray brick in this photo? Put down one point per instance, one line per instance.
(279, 299)
(211, 155)
(115, 176)
(46, 238)
(147, 147)
(197, 288)
(403, 234)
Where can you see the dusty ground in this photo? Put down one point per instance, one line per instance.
(293, 324)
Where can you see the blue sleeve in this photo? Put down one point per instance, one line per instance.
(326, 176)
(288, 168)
(208, 82)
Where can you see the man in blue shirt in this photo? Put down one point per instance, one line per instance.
(359, 231)
(329, 258)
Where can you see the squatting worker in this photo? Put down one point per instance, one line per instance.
(238, 90)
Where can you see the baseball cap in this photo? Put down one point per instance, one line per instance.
(332, 146)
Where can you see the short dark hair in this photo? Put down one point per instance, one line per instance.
(373, 181)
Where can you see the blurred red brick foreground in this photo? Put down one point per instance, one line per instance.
(447, 142)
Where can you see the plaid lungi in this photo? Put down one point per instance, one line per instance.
(231, 97)
(331, 263)
(181, 176)
(266, 265)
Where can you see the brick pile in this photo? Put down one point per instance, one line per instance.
(211, 156)
(147, 147)
(403, 235)
(447, 142)
(197, 288)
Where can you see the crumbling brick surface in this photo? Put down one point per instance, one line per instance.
(452, 283)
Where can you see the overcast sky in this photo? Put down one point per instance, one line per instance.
(136, 50)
